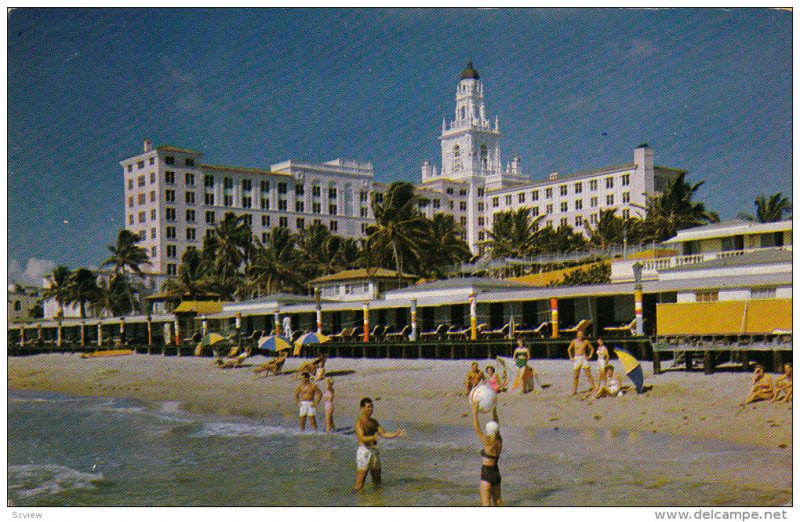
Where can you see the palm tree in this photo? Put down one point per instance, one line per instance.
(274, 266)
(612, 230)
(512, 234)
(83, 288)
(400, 228)
(674, 210)
(769, 209)
(228, 244)
(127, 257)
(191, 280)
(113, 296)
(58, 287)
(563, 239)
(445, 248)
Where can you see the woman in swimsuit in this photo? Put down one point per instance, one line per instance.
(492, 446)
(328, 398)
(602, 362)
(611, 387)
(497, 385)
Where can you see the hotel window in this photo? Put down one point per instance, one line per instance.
(210, 217)
(548, 193)
(521, 197)
(451, 204)
(481, 235)
(332, 210)
(593, 202)
(495, 202)
(154, 252)
(169, 160)
(534, 211)
(130, 219)
(283, 221)
(481, 221)
(208, 181)
(189, 179)
(564, 206)
(190, 198)
(535, 195)
(548, 223)
(169, 177)
(626, 214)
(610, 199)
(130, 167)
(463, 221)
(301, 223)
(578, 188)
(264, 187)
(593, 219)
(152, 196)
(190, 215)
(189, 162)
(142, 217)
(481, 206)
(169, 214)
(247, 202)
(172, 251)
(462, 192)
(609, 183)
(578, 204)
(378, 197)
(332, 193)
(592, 184)
(264, 237)
(578, 221)
(153, 233)
(363, 228)
(706, 296)
(130, 201)
(171, 232)
(449, 190)
(626, 197)
(264, 221)
(227, 183)
(300, 190)
(364, 212)
(462, 206)
(247, 185)
(549, 209)
(363, 196)
(152, 161)
(299, 206)
(562, 190)
(316, 207)
(141, 181)
(247, 219)
(209, 233)
(172, 269)
(508, 199)
(209, 198)
(143, 235)
(481, 192)
(436, 203)
(140, 164)
(152, 214)
(227, 200)
(190, 234)
(130, 184)
(152, 177)
(169, 195)
(494, 217)
(564, 222)
(265, 203)
(334, 225)
(282, 205)
(281, 188)
(626, 180)
(316, 191)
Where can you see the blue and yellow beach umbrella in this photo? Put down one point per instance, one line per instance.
(632, 367)
(274, 343)
(309, 338)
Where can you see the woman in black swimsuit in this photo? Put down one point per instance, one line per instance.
(492, 446)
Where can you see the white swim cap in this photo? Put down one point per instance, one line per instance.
(492, 427)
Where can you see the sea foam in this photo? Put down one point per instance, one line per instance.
(28, 480)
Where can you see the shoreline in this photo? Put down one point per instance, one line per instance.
(409, 390)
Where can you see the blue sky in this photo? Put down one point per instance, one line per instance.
(710, 90)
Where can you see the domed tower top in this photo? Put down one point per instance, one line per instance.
(470, 72)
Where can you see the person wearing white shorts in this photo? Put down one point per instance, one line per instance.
(367, 457)
(580, 351)
(307, 395)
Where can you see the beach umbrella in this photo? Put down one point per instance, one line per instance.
(212, 339)
(632, 368)
(274, 343)
(309, 338)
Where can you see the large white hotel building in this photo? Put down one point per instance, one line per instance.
(173, 198)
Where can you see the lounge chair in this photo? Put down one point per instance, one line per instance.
(345, 334)
(377, 332)
(458, 332)
(539, 331)
(402, 335)
(234, 360)
(628, 328)
(498, 333)
(583, 324)
(437, 333)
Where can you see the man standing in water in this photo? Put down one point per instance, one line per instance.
(580, 351)
(367, 458)
(308, 395)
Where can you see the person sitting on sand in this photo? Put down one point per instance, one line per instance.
(761, 388)
(498, 385)
(580, 351)
(783, 384)
(274, 365)
(474, 377)
(234, 361)
(609, 388)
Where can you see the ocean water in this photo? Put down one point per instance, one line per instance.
(75, 451)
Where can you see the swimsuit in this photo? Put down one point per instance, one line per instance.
(367, 458)
(307, 409)
(521, 358)
(328, 396)
(493, 383)
(602, 359)
(490, 474)
(579, 361)
(613, 386)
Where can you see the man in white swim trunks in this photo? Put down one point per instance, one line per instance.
(308, 396)
(580, 351)
(367, 457)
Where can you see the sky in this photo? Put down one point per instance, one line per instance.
(574, 89)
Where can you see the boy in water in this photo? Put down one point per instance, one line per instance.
(308, 396)
(580, 351)
(367, 457)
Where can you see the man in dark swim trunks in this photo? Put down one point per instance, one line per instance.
(367, 457)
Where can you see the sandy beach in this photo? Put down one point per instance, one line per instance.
(679, 403)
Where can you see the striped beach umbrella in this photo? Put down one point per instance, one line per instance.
(309, 338)
(632, 367)
(274, 343)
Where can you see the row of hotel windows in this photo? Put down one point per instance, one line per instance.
(168, 160)
(593, 203)
(563, 190)
(437, 203)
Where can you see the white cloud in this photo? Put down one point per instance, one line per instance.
(34, 272)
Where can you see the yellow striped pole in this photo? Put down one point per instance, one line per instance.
(22, 337)
(277, 322)
(149, 331)
(319, 310)
(554, 316)
(99, 333)
(637, 308)
(366, 322)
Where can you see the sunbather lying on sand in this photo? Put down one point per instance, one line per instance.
(232, 361)
(273, 366)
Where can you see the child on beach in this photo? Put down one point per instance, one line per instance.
(610, 388)
(328, 398)
(761, 388)
(498, 385)
(473, 378)
(783, 384)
